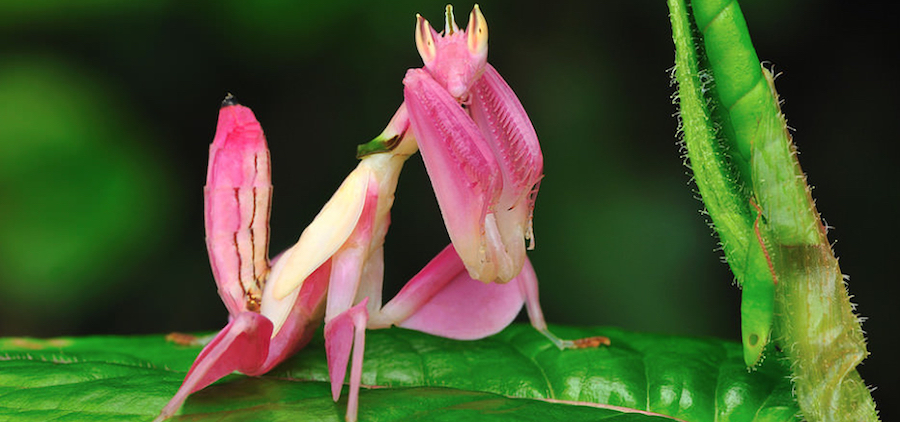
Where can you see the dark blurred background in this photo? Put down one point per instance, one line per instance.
(107, 109)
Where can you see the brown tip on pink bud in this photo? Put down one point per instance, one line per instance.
(229, 100)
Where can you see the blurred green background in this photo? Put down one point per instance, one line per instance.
(107, 109)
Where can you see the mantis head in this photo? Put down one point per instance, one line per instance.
(454, 58)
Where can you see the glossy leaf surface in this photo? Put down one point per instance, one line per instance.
(418, 375)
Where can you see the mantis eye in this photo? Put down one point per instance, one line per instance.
(477, 33)
(425, 40)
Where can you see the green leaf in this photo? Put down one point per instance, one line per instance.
(514, 375)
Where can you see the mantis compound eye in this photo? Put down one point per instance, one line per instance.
(477, 35)
(425, 40)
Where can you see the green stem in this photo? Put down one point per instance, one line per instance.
(740, 150)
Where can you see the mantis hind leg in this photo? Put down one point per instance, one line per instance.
(528, 285)
(444, 300)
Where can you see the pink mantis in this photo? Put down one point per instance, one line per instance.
(483, 158)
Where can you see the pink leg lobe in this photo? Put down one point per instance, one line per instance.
(241, 346)
(345, 332)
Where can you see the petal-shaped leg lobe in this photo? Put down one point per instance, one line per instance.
(241, 346)
(338, 343)
(440, 271)
(247, 344)
(443, 300)
(462, 308)
(343, 333)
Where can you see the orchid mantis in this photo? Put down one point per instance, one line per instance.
(484, 162)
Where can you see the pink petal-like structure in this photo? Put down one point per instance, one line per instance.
(443, 300)
(238, 197)
(241, 346)
(246, 344)
(451, 304)
(479, 147)
(345, 332)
